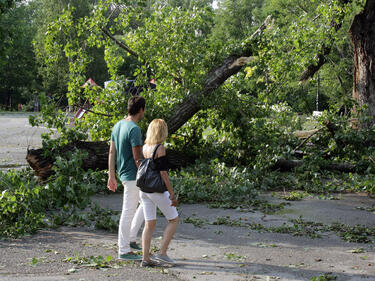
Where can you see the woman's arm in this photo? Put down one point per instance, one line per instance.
(164, 175)
(172, 196)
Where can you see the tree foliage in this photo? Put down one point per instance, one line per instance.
(50, 50)
(177, 45)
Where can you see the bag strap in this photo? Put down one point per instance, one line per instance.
(154, 152)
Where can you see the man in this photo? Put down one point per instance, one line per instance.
(125, 147)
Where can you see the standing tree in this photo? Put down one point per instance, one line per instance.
(362, 33)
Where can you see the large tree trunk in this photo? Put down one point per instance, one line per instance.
(363, 37)
(97, 159)
(191, 104)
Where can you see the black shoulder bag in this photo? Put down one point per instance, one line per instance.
(148, 178)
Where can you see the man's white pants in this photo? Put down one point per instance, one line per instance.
(131, 218)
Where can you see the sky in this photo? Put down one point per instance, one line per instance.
(214, 4)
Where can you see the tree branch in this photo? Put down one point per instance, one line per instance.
(119, 43)
(126, 48)
(215, 78)
(94, 112)
(321, 57)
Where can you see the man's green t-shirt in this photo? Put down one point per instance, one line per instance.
(125, 135)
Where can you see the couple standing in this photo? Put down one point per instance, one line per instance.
(125, 151)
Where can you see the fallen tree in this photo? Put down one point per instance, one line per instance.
(98, 151)
(215, 77)
(97, 158)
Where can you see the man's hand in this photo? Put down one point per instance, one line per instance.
(112, 184)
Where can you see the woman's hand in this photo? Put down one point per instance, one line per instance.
(174, 202)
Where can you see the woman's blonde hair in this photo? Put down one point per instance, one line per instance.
(157, 132)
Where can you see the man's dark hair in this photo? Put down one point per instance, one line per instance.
(135, 104)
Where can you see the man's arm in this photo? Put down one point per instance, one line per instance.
(137, 152)
(112, 183)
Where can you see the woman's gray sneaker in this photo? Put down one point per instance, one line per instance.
(165, 259)
(150, 263)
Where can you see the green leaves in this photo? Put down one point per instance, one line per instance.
(92, 261)
(26, 205)
(215, 183)
(34, 262)
(21, 211)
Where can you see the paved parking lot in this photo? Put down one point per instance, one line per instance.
(16, 135)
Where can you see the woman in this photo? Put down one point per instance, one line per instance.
(157, 133)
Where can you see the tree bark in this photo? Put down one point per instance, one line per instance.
(97, 157)
(362, 33)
